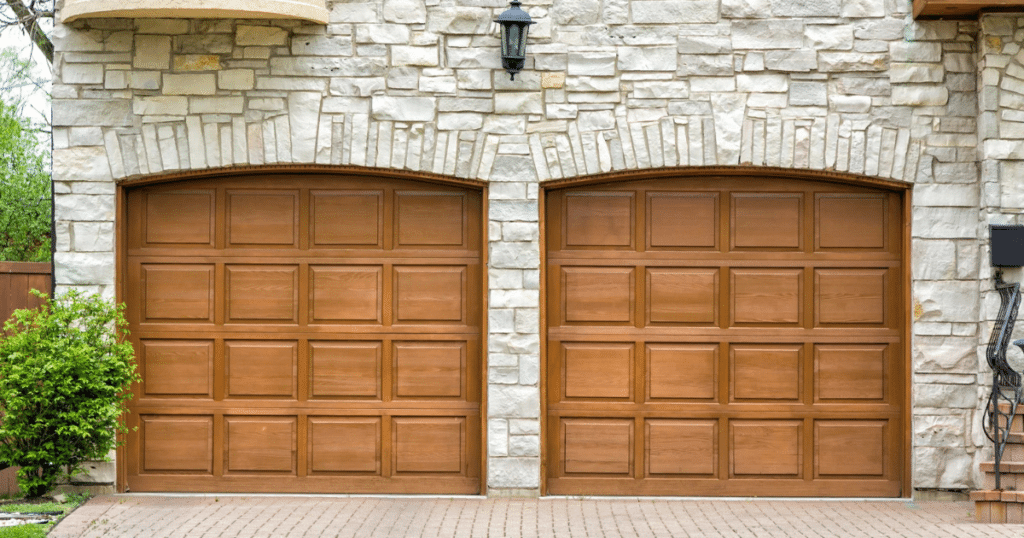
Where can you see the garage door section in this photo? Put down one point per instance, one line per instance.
(316, 334)
(724, 336)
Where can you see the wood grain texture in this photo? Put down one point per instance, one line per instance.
(303, 334)
(757, 344)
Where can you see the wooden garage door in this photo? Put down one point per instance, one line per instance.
(724, 336)
(317, 334)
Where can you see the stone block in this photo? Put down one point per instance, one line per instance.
(946, 354)
(215, 105)
(196, 62)
(1011, 188)
(918, 51)
(661, 90)
(771, 34)
(705, 65)
(673, 11)
(524, 445)
(84, 268)
(939, 430)
(266, 36)
(791, 60)
(322, 45)
(916, 72)
(152, 52)
(82, 74)
(355, 12)
(594, 64)
(829, 37)
(457, 20)
(91, 112)
(87, 163)
(404, 11)
(190, 84)
(518, 473)
(384, 34)
(92, 236)
(746, 9)
(160, 105)
(597, 120)
(852, 61)
(858, 9)
(575, 12)
(311, 66)
(762, 83)
(236, 79)
(943, 397)
(384, 107)
(518, 103)
(647, 58)
(806, 8)
(803, 93)
(516, 255)
(920, 95)
(460, 121)
(946, 300)
(418, 56)
(473, 58)
(513, 401)
(162, 26)
(438, 85)
(934, 259)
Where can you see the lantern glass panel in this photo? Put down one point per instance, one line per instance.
(515, 48)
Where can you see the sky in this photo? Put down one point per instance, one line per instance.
(38, 103)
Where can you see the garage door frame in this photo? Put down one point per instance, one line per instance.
(121, 256)
(697, 173)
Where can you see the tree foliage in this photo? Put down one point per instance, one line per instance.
(33, 17)
(65, 371)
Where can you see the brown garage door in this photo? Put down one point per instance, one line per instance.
(313, 334)
(724, 336)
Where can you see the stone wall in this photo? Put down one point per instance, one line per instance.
(853, 86)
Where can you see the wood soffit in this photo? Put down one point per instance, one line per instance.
(962, 9)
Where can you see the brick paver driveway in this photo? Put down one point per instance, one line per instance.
(406, 517)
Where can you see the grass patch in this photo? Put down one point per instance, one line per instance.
(35, 530)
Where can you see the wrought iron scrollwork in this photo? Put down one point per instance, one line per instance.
(1006, 382)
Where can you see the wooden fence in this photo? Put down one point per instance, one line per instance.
(16, 280)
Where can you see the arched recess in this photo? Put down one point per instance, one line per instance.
(303, 329)
(726, 331)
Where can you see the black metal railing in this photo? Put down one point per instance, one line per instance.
(1006, 382)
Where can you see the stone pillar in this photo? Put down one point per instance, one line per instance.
(513, 340)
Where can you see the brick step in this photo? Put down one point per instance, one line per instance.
(992, 506)
(1004, 466)
(1007, 481)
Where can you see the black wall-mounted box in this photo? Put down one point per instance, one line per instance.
(1007, 245)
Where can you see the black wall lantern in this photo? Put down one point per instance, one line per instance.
(515, 24)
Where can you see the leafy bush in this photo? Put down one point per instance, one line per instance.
(65, 371)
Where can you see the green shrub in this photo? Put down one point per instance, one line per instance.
(25, 204)
(65, 371)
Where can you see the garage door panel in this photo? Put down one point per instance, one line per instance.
(350, 294)
(682, 371)
(598, 294)
(766, 372)
(599, 220)
(681, 447)
(349, 219)
(594, 370)
(177, 292)
(851, 221)
(176, 444)
(851, 372)
(767, 221)
(262, 218)
(177, 368)
(261, 369)
(180, 218)
(430, 369)
(429, 445)
(343, 370)
(260, 444)
(680, 295)
(767, 296)
(595, 446)
(766, 447)
(430, 219)
(850, 296)
(850, 447)
(430, 294)
(687, 220)
(344, 445)
(262, 293)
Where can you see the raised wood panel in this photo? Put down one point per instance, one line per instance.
(430, 294)
(767, 220)
(599, 220)
(175, 292)
(682, 371)
(347, 218)
(766, 447)
(850, 372)
(176, 444)
(344, 445)
(850, 447)
(599, 294)
(682, 447)
(682, 220)
(429, 369)
(767, 296)
(267, 218)
(430, 219)
(177, 367)
(260, 444)
(180, 218)
(850, 221)
(766, 372)
(850, 296)
(258, 368)
(345, 369)
(429, 445)
(682, 295)
(597, 446)
(262, 292)
(597, 370)
(347, 293)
